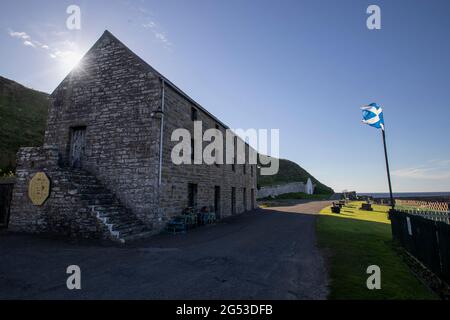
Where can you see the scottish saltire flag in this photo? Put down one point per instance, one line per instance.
(373, 116)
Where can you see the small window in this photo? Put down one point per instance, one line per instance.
(251, 170)
(192, 150)
(233, 166)
(216, 155)
(244, 168)
(194, 114)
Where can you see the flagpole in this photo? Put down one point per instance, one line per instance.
(387, 169)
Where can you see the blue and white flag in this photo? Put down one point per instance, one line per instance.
(373, 116)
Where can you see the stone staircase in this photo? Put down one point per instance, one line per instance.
(122, 224)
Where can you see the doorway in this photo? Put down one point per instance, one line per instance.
(217, 200)
(6, 189)
(244, 198)
(192, 195)
(233, 200)
(252, 194)
(77, 145)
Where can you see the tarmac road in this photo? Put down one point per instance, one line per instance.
(263, 254)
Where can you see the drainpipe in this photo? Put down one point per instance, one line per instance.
(161, 135)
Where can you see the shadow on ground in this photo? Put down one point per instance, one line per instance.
(263, 254)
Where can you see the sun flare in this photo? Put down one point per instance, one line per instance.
(70, 60)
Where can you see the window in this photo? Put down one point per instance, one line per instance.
(233, 166)
(194, 114)
(244, 168)
(192, 150)
(77, 146)
(233, 200)
(244, 198)
(251, 170)
(216, 154)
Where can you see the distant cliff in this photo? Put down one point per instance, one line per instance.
(291, 172)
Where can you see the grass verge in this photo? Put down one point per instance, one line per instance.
(290, 198)
(356, 239)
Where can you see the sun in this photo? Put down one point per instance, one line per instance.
(70, 60)
(67, 60)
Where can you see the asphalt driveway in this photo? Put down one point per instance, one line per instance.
(263, 254)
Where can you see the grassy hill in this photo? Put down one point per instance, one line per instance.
(23, 116)
(291, 172)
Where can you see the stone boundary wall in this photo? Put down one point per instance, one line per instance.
(281, 189)
(63, 213)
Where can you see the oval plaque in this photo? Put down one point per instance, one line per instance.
(39, 188)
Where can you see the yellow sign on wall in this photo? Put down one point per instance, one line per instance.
(39, 188)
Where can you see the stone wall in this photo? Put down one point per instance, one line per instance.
(175, 178)
(273, 191)
(112, 93)
(63, 213)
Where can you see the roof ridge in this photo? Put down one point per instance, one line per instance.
(166, 80)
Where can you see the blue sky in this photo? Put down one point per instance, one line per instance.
(304, 67)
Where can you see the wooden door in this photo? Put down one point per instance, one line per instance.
(77, 144)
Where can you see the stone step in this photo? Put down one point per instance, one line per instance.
(87, 184)
(137, 236)
(97, 196)
(104, 202)
(89, 188)
(112, 213)
(84, 180)
(107, 208)
(126, 231)
(99, 202)
(117, 221)
(127, 227)
(92, 190)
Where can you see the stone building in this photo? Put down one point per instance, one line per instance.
(309, 188)
(292, 187)
(107, 154)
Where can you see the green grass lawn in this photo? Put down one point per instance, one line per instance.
(356, 239)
